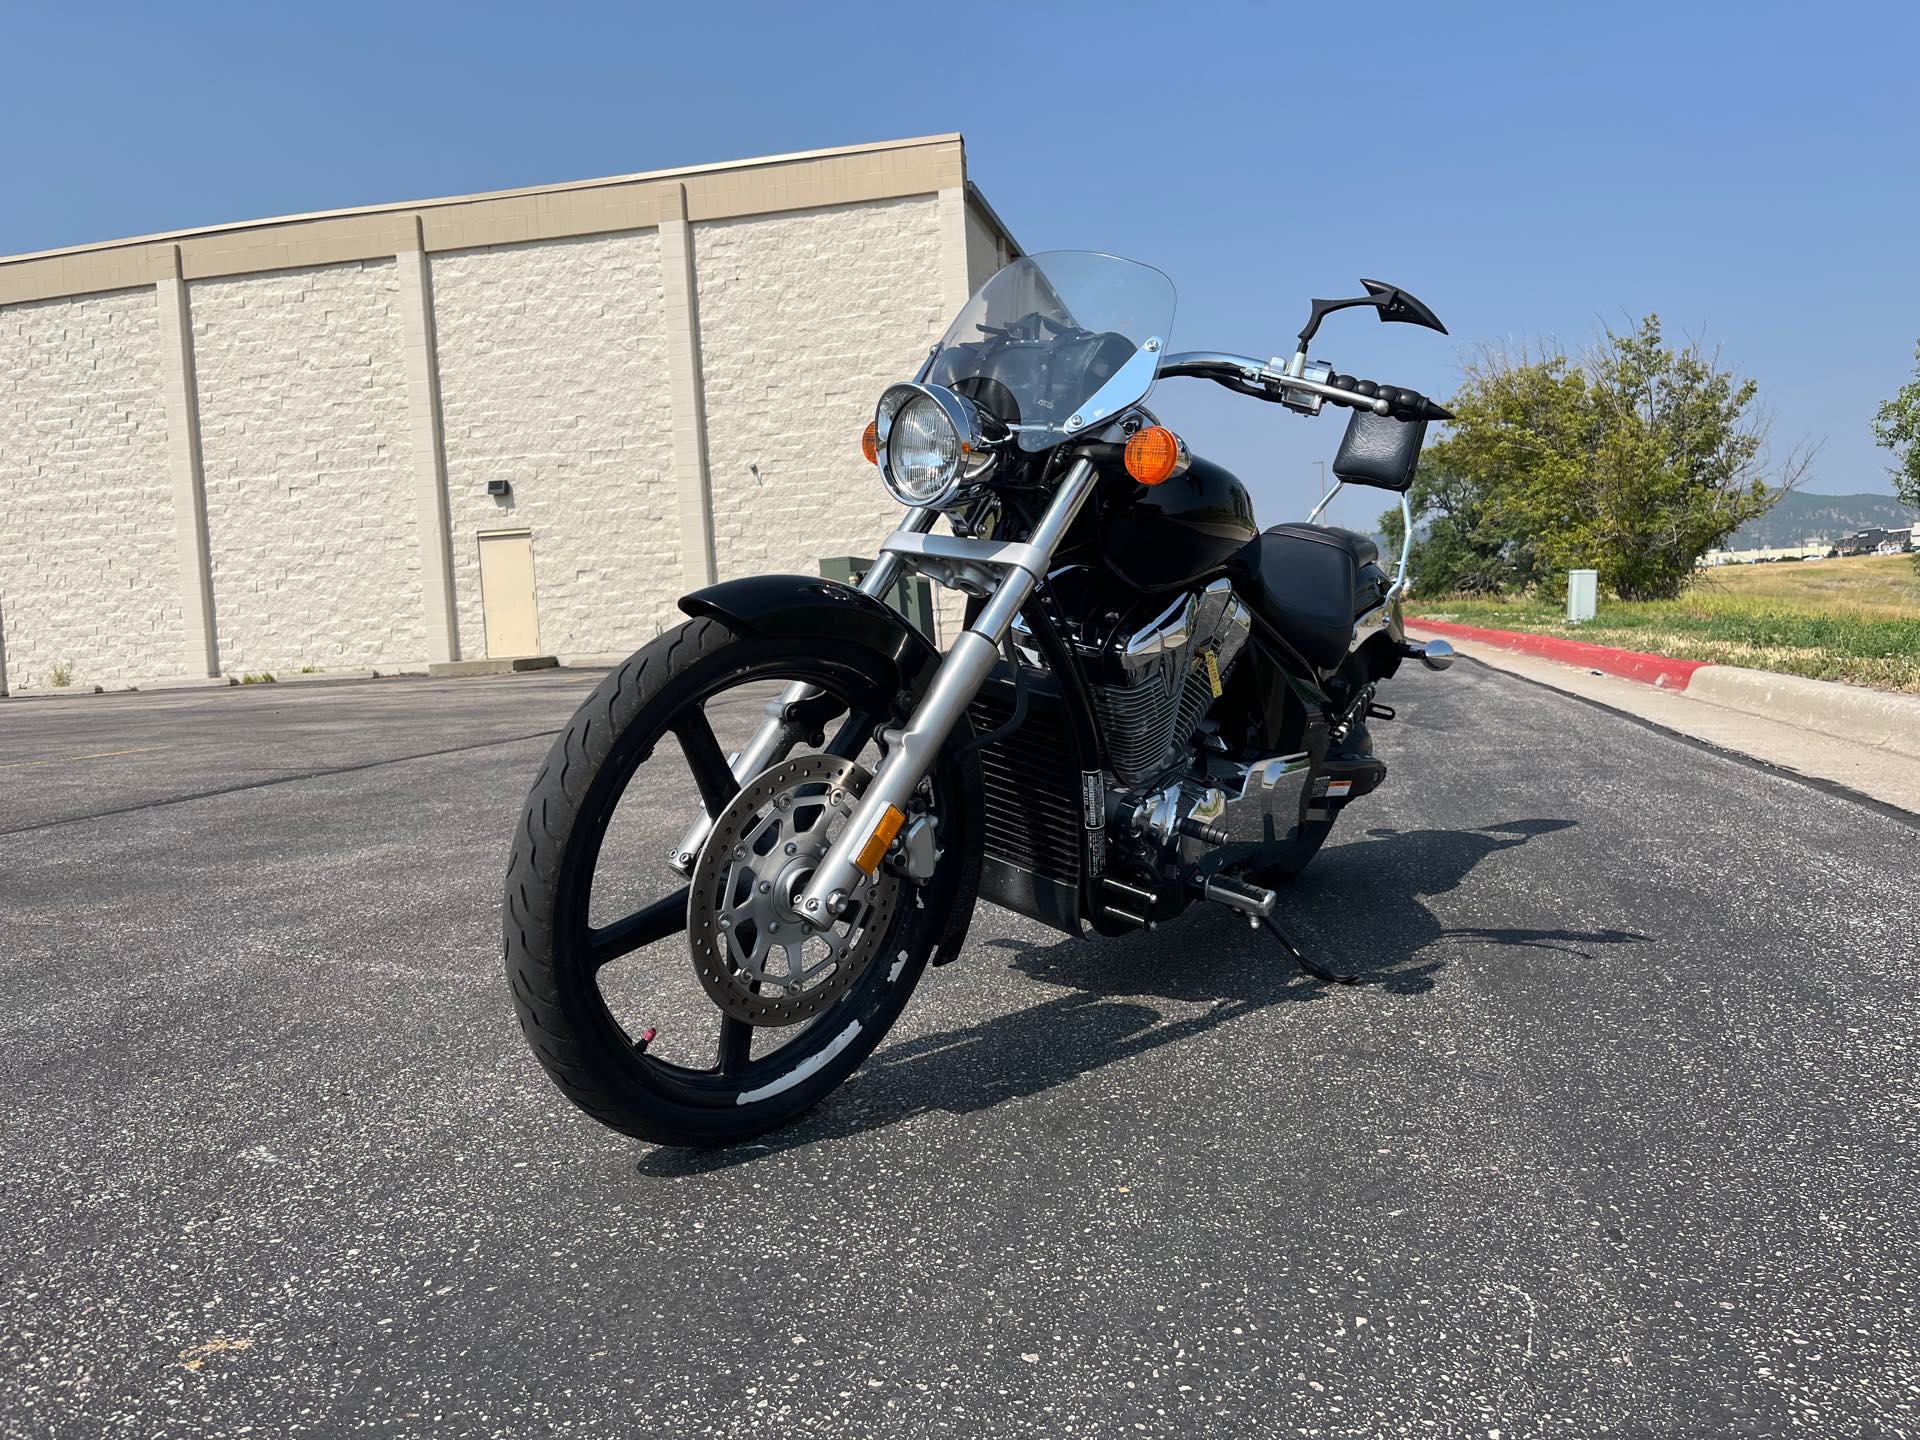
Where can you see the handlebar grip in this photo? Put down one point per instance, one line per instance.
(1406, 404)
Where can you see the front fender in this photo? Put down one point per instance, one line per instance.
(798, 608)
(804, 607)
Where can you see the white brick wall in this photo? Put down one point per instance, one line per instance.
(87, 571)
(552, 363)
(986, 255)
(304, 436)
(553, 377)
(804, 319)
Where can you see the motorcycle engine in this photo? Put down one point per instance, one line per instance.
(1157, 682)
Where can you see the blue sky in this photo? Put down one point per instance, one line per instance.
(1750, 172)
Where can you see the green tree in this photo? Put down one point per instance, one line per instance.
(1458, 552)
(1896, 425)
(1634, 461)
(1519, 423)
(1680, 463)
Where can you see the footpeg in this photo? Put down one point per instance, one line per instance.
(1203, 832)
(1256, 902)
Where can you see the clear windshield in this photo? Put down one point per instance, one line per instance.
(1057, 344)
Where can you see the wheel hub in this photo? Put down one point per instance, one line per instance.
(755, 953)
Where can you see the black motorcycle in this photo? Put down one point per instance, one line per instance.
(1153, 704)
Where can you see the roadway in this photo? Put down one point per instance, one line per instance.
(1619, 1140)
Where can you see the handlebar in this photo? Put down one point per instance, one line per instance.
(1272, 380)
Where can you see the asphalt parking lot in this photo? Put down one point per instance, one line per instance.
(1621, 1140)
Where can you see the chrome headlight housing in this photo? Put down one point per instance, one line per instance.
(928, 444)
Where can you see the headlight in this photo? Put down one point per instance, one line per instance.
(928, 444)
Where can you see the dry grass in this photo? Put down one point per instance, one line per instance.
(1884, 587)
(1855, 620)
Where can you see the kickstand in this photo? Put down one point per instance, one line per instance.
(1312, 967)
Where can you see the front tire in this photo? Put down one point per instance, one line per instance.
(555, 957)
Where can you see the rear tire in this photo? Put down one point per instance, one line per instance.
(549, 944)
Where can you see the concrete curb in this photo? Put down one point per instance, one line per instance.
(1660, 670)
(64, 692)
(320, 677)
(1878, 718)
(595, 660)
(185, 682)
(454, 669)
(1872, 717)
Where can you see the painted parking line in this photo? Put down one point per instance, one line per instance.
(72, 759)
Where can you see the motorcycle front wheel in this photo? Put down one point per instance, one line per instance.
(608, 992)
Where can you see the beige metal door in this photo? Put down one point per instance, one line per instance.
(506, 594)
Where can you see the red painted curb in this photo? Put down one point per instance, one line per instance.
(1661, 670)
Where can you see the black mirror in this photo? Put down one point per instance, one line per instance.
(1393, 304)
(1379, 450)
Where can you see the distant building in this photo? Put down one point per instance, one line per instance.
(1811, 550)
(1875, 540)
(479, 426)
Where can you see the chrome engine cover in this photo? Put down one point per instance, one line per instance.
(1247, 803)
(1169, 667)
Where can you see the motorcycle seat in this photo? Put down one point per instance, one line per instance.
(1364, 549)
(1302, 583)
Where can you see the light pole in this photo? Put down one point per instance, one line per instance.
(1323, 478)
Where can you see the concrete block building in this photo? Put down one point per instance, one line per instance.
(482, 426)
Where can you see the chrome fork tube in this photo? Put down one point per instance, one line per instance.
(886, 566)
(914, 749)
(774, 738)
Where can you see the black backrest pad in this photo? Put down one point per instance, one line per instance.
(1379, 450)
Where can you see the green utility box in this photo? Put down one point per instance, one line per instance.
(911, 595)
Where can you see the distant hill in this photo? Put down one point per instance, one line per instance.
(1800, 516)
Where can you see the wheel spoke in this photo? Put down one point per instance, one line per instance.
(736, 1039)
(712, 772)
(666, 916)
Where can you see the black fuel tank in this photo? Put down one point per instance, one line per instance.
(1157, 537)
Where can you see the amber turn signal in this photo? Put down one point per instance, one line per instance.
(1155, 454)
(870, 443)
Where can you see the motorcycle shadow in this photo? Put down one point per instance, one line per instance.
(1359, 908)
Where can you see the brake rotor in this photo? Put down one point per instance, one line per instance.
(756, 957)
